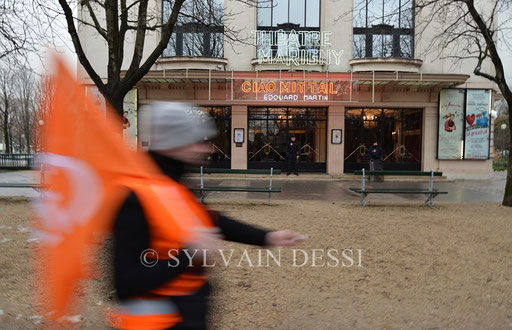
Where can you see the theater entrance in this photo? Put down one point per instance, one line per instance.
(398, 132)
(270, 130)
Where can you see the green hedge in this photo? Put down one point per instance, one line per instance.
(500, 164)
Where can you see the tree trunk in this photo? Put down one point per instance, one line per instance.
(507, 198)
(116, 102)
(7, 139)
(27, 141)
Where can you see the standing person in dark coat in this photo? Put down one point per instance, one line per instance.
(292, 151)
(376, 156)
(145, 299)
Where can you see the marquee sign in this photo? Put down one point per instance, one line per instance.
(291, 90)
(294, 48)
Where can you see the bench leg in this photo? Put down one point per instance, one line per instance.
(430, 197)
(363, 199)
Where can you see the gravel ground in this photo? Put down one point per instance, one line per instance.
(445, 267)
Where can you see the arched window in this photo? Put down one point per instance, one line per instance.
(199, 30)
(383, 28)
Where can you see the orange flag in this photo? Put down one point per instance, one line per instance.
(86, 165)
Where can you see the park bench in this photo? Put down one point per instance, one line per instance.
(430, 193)
(36, 186)
(267, 189)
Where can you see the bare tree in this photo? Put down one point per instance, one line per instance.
(24, 109)
(44, 96)
(24, 31)
(6, 105)
(13, 37)
(115, 20)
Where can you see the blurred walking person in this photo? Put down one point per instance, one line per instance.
(171, 291)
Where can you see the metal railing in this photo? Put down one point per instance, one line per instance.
(16, 161)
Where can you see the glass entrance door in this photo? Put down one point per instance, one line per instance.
(271, 128)
(397, 131)
(221, 143)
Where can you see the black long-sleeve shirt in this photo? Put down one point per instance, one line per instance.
(375, 153)
(132, 237)
(292, 149)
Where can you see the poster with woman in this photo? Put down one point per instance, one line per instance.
(478, 121)
(451, 124)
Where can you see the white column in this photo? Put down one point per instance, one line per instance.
(335, 152)
(239, 154)
(429, 140)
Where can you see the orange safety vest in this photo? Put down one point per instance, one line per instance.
(168, 209)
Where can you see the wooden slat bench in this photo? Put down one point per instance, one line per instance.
(430, 193)
(267, 189)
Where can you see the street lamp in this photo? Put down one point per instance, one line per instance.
(503, 128)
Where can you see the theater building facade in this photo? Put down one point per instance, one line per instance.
(336, 82)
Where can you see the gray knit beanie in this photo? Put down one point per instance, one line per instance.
(175, 125)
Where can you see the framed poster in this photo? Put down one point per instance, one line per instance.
(478, 121)
(239, 135)
(451, 124)
(336, 136)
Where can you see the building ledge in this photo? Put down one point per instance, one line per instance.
(389, 79)
(386, 64)
(191, 62)
(284, 67)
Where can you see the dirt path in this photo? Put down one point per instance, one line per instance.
(446, 267)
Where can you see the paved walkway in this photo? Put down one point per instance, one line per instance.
(317, 187)
(488, 190)
(18, 177)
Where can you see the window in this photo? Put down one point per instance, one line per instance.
(199, 30)
(383, 28)
(288, 28)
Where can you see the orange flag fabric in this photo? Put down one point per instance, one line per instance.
(87, 169)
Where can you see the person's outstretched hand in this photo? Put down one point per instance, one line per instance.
(205, 243)
(283, 238)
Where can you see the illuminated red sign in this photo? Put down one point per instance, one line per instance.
(292, 90)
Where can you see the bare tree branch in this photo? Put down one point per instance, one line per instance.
(68, 13)
(97, 24)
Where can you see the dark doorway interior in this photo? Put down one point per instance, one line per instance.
(398, 132)
(271, 128)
